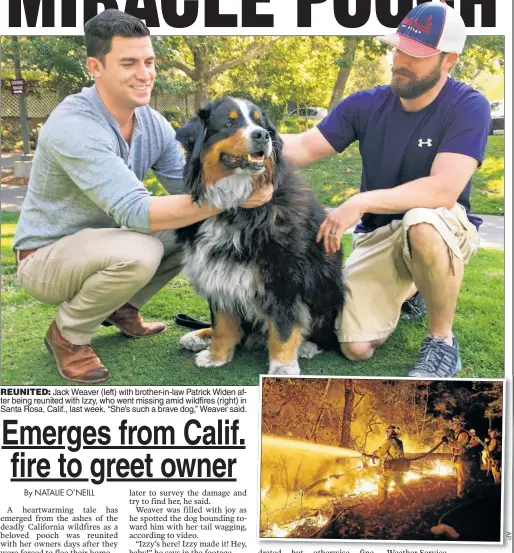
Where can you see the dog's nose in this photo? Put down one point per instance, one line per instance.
(260, 135)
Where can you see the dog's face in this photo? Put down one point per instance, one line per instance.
(232, 149)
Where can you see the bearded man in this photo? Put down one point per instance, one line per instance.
(420, 139)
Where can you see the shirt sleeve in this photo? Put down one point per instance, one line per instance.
(169, 168)
(468, 128)
(86, 152)
(383, 450)
(342, 125)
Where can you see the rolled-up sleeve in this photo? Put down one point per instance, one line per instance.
(87, 151)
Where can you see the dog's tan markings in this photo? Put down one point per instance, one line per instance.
(255, 115)
(283, 352)
(226, 334)
(213, 169)
(233, 114)
(204, 333)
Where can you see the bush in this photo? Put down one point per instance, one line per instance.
(292, 124)
(11, 137)
(175, 117)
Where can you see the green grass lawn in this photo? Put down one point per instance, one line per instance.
(479, 325)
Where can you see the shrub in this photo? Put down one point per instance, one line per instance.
(175, 117)
(12, 140)
(292, 124)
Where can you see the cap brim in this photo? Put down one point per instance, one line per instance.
(410, 46)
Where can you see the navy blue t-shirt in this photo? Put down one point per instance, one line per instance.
(397, 146)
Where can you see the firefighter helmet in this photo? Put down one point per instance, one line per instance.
(395, 429)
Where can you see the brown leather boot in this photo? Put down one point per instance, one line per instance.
(130, 322)
(75, 363)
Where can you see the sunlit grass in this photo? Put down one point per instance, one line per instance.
(479, 326)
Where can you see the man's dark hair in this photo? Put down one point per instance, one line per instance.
(100, 30)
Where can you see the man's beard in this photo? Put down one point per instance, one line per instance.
(414, 87)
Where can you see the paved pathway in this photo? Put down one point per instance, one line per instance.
(491, 232)
(7, 160)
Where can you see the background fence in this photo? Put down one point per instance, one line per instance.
(40, 104)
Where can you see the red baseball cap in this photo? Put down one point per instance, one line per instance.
(429, 29)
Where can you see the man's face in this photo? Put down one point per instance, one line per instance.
(455, 426)
(412, 77)
(128, 71)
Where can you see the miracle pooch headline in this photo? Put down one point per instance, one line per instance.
(181, 15)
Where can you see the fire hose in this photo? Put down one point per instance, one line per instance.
(402, 464)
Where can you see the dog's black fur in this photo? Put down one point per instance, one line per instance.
(299, 284)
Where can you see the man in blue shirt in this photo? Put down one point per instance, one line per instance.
(421, 139)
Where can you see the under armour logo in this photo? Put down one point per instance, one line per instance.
(427, 142)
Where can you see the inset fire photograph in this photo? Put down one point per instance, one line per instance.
(375, 459)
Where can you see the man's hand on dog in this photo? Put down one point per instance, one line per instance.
(259, 197)
(337, 222)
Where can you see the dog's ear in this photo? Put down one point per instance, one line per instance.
(192, 134)
(205, 112)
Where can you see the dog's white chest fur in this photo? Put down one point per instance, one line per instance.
(229, 284)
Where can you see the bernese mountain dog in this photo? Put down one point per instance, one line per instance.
(260, 269)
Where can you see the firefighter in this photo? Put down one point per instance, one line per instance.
(494, 449)
(391, 449)
(475, 453)
(459, 440)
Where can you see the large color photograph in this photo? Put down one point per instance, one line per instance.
(352, 459)
(204, 210)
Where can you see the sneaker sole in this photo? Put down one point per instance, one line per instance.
(51, 352)
(435, 377)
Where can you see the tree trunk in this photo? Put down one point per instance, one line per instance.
(200, 95)
(349, 396)
(345, 66)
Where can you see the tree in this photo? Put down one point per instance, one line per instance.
(54, 61)
(368, 48)
(349, 397)
(482, 53)
(202, 59)
(294, 70)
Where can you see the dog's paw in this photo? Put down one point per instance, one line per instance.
(192, 342)
(292, 368)
(308, 350)
(204, 359)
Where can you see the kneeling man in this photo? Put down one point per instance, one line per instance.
(421, 139)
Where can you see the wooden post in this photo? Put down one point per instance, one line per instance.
(21, 98)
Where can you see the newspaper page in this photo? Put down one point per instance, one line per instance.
(253, 276)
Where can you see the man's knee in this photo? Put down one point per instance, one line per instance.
(424, 237)
(357, 351)
(143, 255)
